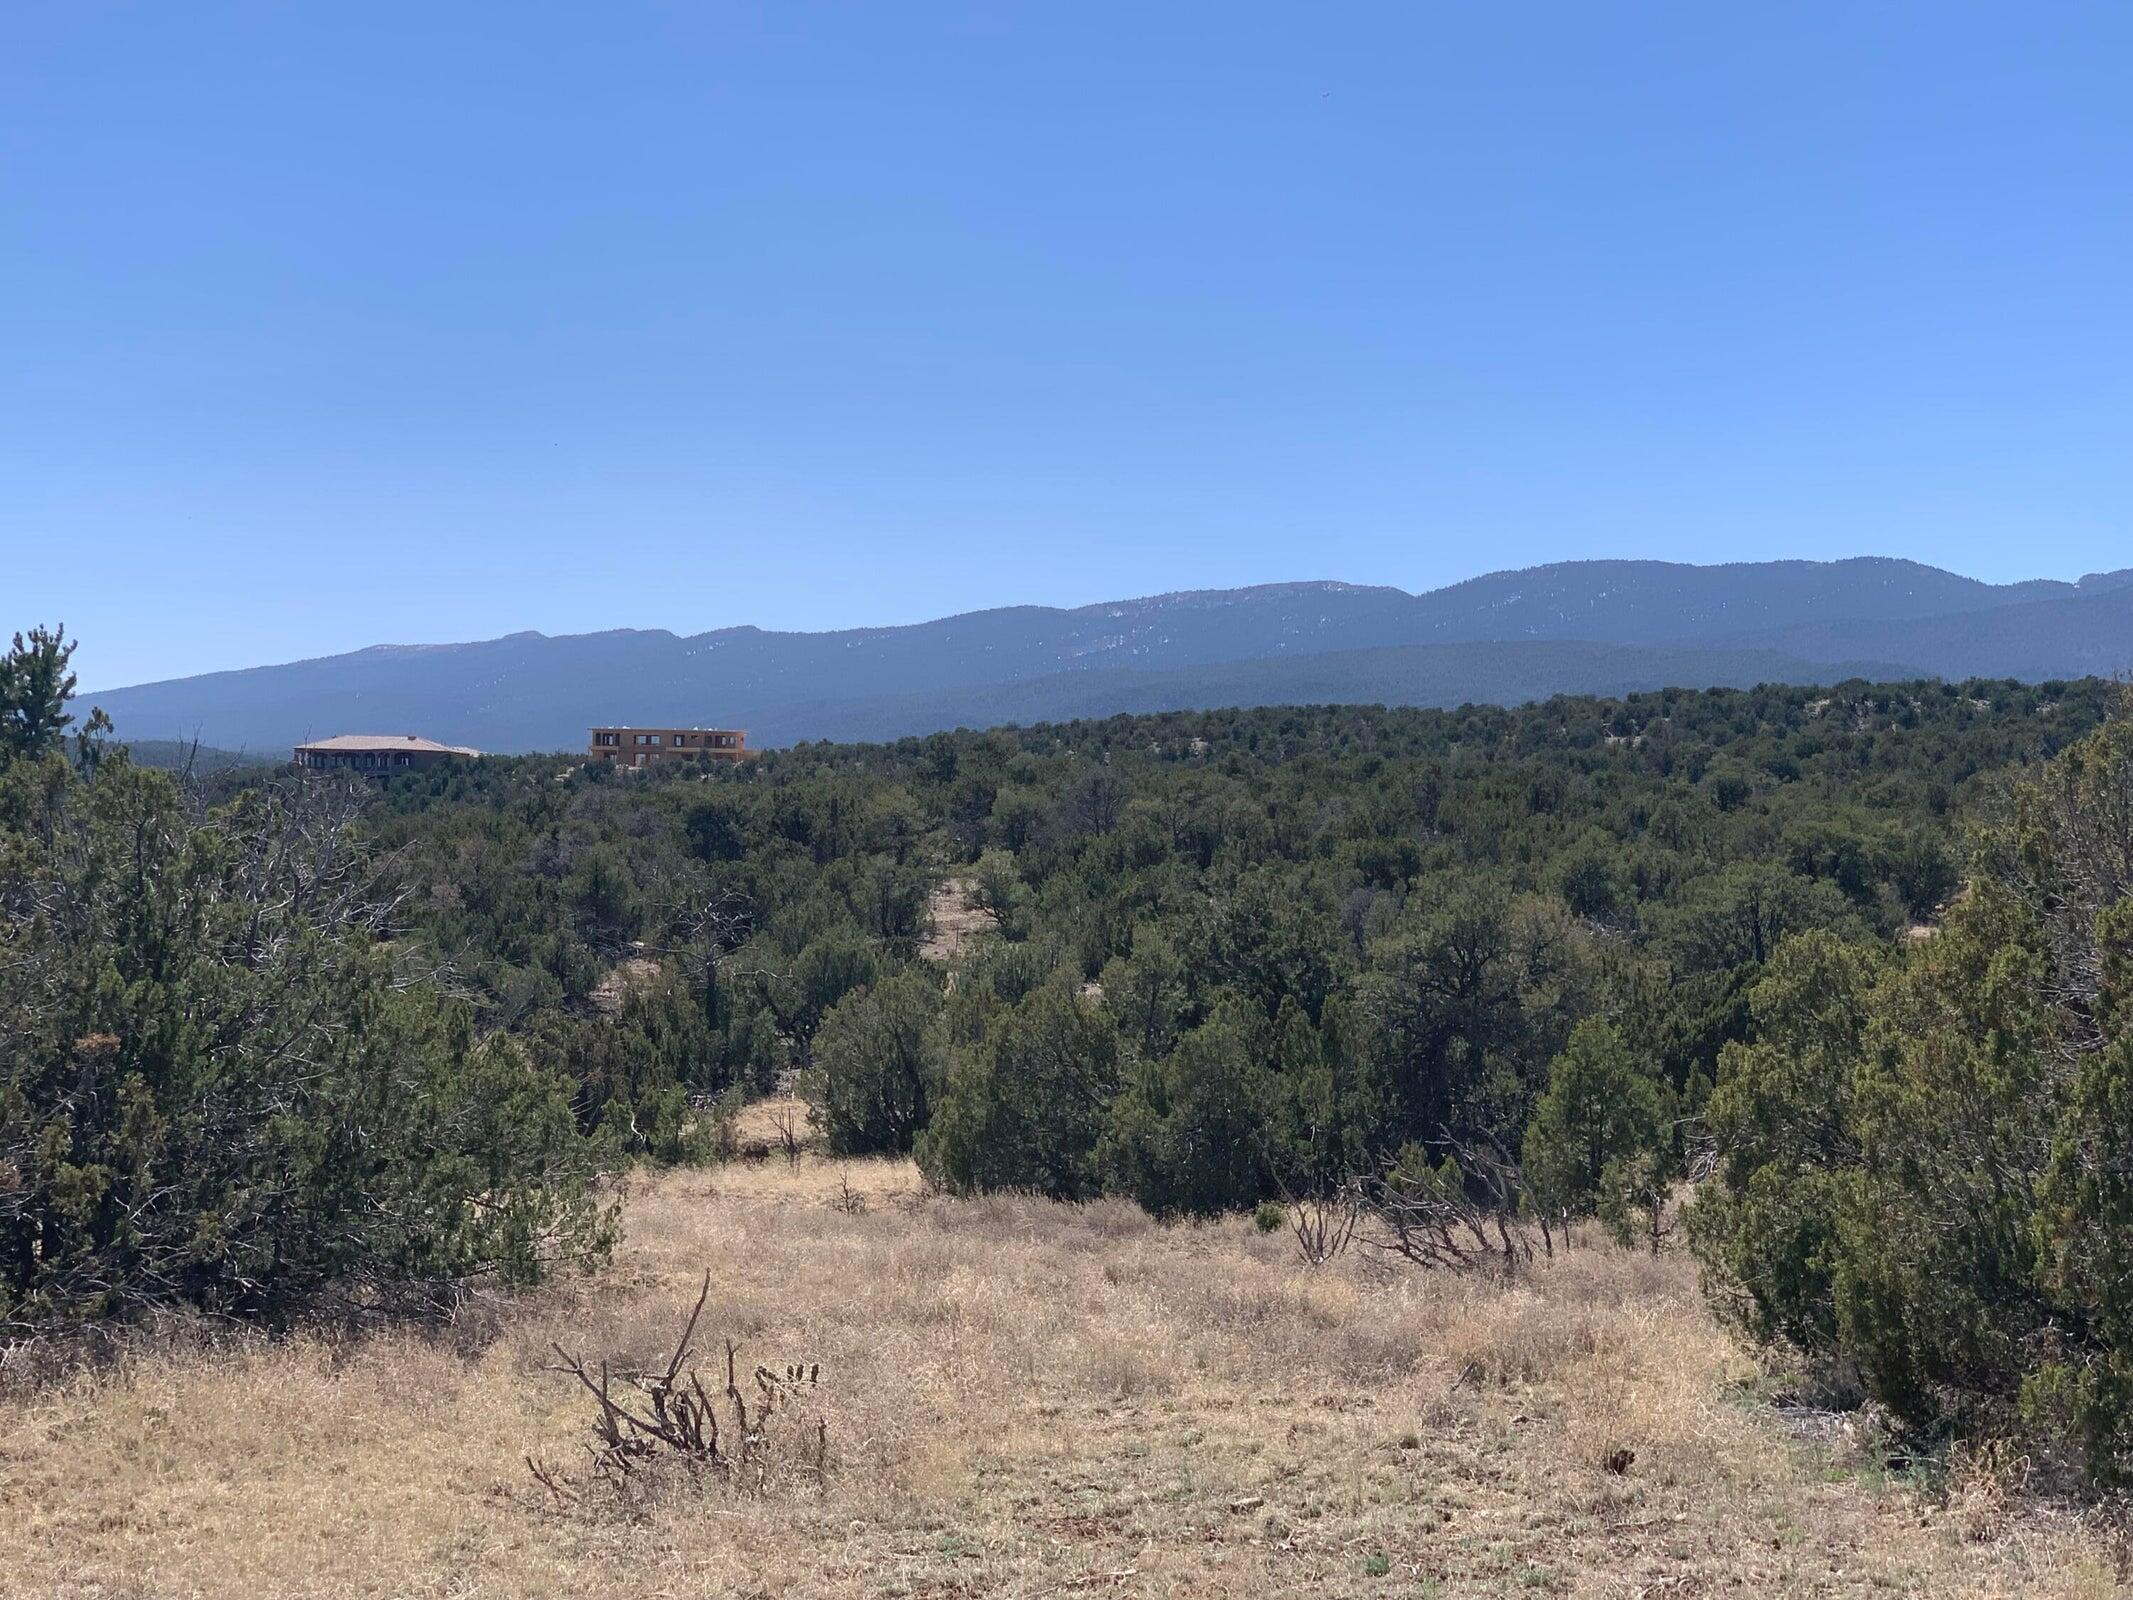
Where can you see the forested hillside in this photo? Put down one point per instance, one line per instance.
(1828, 983)
(1378, 927)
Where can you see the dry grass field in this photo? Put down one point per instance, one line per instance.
(1022, 1399)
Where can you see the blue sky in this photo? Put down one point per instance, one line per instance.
(331, 324)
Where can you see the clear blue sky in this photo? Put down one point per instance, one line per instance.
(330, 324)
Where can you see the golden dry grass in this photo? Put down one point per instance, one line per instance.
(759, 1128)
(1024, 1399)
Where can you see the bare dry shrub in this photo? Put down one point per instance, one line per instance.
(1324, 1224)
(1430, 1220)
(785, 1121)
(652, 1428)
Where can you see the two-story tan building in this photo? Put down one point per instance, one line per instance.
(646, 747)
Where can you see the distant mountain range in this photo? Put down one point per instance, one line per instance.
(1591, 627)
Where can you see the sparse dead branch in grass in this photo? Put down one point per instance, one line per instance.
(673, 1418)
(1434, 1221)
(785, 1122)
(1324, 1224)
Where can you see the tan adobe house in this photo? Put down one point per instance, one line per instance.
(378, 752)
(646, 747)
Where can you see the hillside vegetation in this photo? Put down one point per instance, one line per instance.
(1201, 1150)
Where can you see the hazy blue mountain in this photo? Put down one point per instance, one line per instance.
(1648, 602)
(2090, 634)
(1437, 675)
(1802, 620)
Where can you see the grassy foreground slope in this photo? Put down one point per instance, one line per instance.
(1023, 1399)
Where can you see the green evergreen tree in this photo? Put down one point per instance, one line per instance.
(1189, 1132)
(35, 685)
(216, 1088)
(1783, 1122)
(1024, 1108)
(879, 1057)
(1601, 1134)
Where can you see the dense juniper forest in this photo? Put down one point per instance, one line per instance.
(1833, 987)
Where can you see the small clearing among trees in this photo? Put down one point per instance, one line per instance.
(956, 917)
